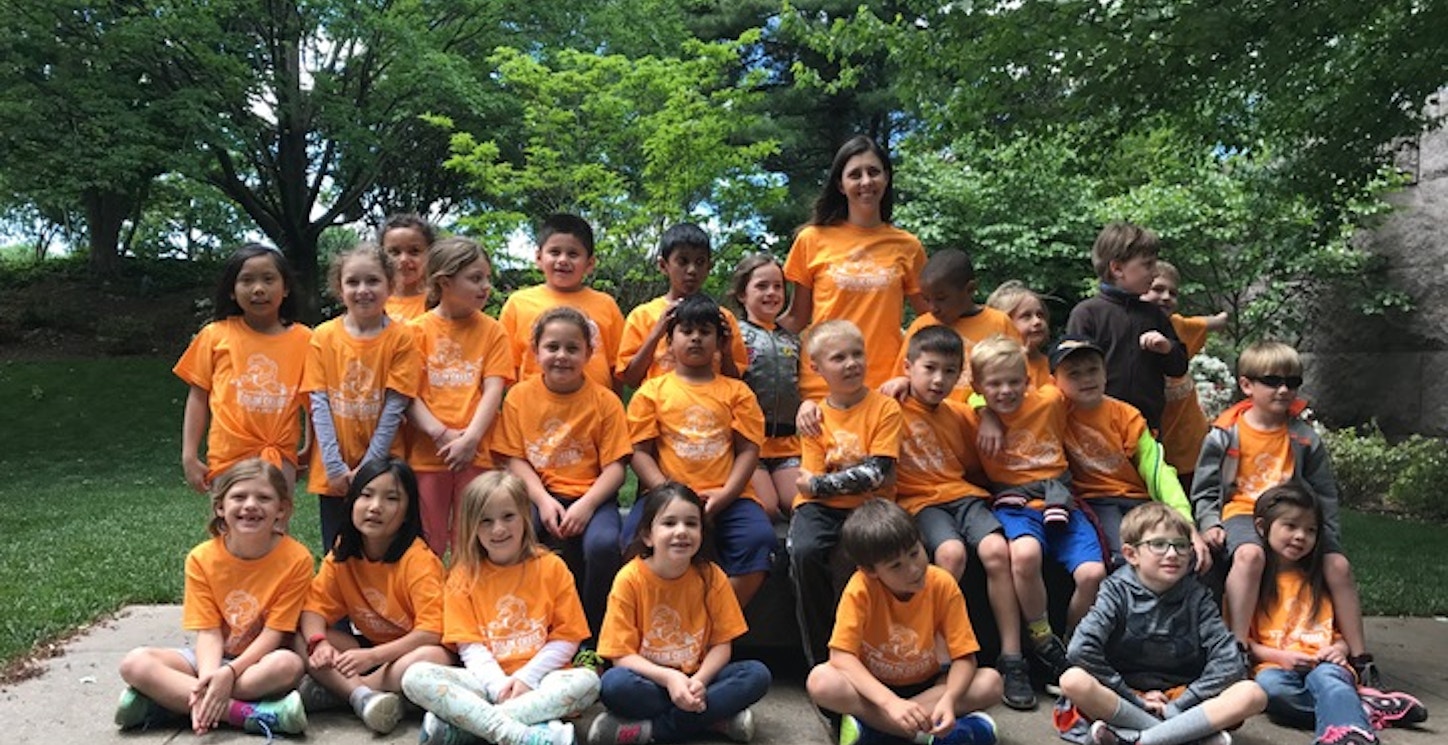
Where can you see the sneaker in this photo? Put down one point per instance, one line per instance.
(590, 659)
(437, 731)
(381, 712)
(739, 728)
(284, 715)
(1008, 500)
(1367, 670)
(1389, 708)
(976, 728)
(1216, 738)
(608, 729)
(1052, 654)
(853, 731)
(136, 709)
(1016, 674)
(1055, 516)
(1346, 735)
(316, 697)
(1103, 734)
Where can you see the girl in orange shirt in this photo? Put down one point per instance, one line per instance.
(672, 618)
(466, 364)
(245, 372)
(512, 613)
(1028, 312)
(381, 576)
(406, 239)
(244, 591)
(361, 376)
(566, 437)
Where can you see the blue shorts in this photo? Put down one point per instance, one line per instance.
(1070, 546)
(743, 536)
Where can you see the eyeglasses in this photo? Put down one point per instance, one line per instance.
(1277, 381)
(1159, 546)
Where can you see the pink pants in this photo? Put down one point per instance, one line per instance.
(440, 491)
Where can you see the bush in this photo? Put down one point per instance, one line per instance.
(125, 335)
(1406, 476)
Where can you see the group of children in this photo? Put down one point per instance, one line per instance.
(438, 431)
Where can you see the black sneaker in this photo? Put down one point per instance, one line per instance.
(1016, 675)
(1052, 654)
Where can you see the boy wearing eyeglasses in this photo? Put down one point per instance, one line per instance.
(1116, 464)
(1253, 446)
(1153, 662)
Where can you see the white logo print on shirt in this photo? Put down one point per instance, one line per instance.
(700, 437)
(512, 633)
(446, 367)
(666, 642)
(358, 397)
(243, 620)
(919, 450)
(555, 448)
(258, 390)
(859, 272)
(901, 657)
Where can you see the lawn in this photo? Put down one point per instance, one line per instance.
(94, 514)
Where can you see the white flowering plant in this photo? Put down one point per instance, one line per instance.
(1215, 385)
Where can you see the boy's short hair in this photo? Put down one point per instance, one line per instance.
(683, 234)
(1141, 520)
(937, 339)
(996, 351)
(948, 267)
(878, 531)
(1168, 270)
(1267, 357)
(693, 311)
(567, 224)
(1121, 241)
(824, 333)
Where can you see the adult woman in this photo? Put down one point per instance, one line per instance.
(850, 263)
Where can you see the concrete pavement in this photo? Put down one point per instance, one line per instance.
(74, 699)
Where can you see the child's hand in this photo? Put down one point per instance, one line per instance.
(550, 513)
(575, 519)
(801, 482)
(1298, 661)
(908, 715)
(991, 434)
(1155, 341)
(714, 501)
(195, 470)
(1333, 654)
(323, 655)
(943, 717)
(897, 388)
(512, 689)
(808, 419)
(355, 662)
(339, 484)
(685, 692)
(459, 453)
(210, 697)
(1215, 536)
(1203, 553)
(1156, 703)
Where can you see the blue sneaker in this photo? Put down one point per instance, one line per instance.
(976, 728)
(135, 709)
(855, 732)
(284, 715)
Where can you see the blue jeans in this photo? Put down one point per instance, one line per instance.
(593, 557)
(632, 696)
(1327, 695)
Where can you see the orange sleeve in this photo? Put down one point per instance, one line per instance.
(952, 622)
(507, 437)
(199, 607)
(636, 329)
(294, 579)
(459, 621)
(850, 616)
(736, 341)
(746, 417)
(404, 368)
(314, 375)
(621, 635)
(643, 412)
(614, 443)
(497, 359)
(325, 597)
(796, 265)
(423, 575)
(517, 330)
(196, 366)
(885, 436)
(1192, 332)
(568, 622)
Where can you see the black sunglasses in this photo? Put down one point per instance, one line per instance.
(1277, 381)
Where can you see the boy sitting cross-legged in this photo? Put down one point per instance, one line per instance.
(937, 484)
(884, 673)
(1155, 665)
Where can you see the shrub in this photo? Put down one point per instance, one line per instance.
(124, 335)
(1419, 489)
(1406, 476)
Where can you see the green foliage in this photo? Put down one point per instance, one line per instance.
(1406, 476)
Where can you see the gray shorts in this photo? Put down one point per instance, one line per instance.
(770, 465)
(190, 655)
(1242, 531)
(968, 518)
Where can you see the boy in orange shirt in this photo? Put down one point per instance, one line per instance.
(884, 673)
(684, 257)
(1029, 476)
(565, 256)
(949, 285)
(704, 430)
(849, 461)
(1255, 445)
(936, 484)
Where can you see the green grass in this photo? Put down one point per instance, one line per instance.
(94, 514)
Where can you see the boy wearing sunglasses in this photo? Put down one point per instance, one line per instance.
(1154, 664)
(1253, 446)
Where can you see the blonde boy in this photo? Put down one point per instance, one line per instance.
(565, 256)
(1255, 445)
(851, 460)
(1154, 664)
(1029, 476)
(884, 673)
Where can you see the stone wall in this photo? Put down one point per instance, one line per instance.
(1396, 370)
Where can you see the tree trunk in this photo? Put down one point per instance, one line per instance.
(105, 213)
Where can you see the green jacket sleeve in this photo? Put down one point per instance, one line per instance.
(1160, 478)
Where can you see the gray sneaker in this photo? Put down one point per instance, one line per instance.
(381, 711)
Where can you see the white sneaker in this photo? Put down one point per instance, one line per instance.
(739, 728)
(560, 732)
(382, 711)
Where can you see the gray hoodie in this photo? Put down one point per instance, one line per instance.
(1133, 639)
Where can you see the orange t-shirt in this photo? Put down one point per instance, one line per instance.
(669, 622)
(862, 275)
(403, 309)
(1038, 370)
(1101, 446)
(566, 437)
(894, 638)
(515, 609)
(254, 381)
(693, 425)
(1035, 433)
(937, 455)
(848, 436)
(641, 321)
(1264, 461)
(457, 354)
(243, 596)
(1288, 626)
(605, 325)
(1183, 423)
(972, 328)
(355, 374)
(384, 601)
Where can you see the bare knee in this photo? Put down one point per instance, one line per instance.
(1089, 576)
(1336, 569)
(1248, 560)
(1076, 683)
(1025, 557)
(994, 553)
(137, 664)
(951, 557)
(826, 686)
